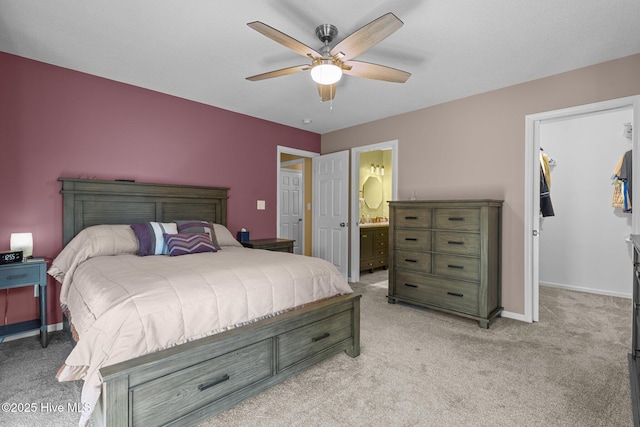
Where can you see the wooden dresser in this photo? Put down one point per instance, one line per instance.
(446, 255)
(277, 245)
(374, 247)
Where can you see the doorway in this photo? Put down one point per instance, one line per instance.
(532, 187)
(292, 198)
(385, 168)
(585, 245)
(287, 156)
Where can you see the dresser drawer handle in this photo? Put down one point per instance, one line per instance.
(411, 260)
(454, 294)
(411, 239)
(410, 285)
(17, 276)
(203, 387)
(455, 243)
(411, 217)
(365, 235)
(456, 218)
(457, 267)
(321, 337)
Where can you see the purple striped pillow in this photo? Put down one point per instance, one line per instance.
(188, 243)
(150, 237)
(194, 226)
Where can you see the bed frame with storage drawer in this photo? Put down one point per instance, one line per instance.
(185, 384)
(446, 255)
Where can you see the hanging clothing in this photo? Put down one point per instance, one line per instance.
(546, 207)
(623, 183)
(545, 163)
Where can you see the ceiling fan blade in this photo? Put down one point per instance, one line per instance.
(283, 39)
(278, 73)
(366, 37)
(375, 71)
(327, 92)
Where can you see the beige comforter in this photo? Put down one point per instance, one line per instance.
(124, 306)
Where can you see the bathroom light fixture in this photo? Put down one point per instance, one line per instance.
(373, 168)
(382, 170)
(325, 72)
(22, 242)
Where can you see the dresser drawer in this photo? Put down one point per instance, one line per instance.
(25, 274)
(412, 218)
(457, 243)
(382, 235)
(457, 219)
(303, 342)
(456, 266)
(414, 261)
(419, 240)
(380, 245)
(373, 263)
(163, 400)
(446, 293)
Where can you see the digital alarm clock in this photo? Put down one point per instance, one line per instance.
(10, 257)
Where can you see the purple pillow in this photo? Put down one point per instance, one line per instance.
(150, 237)
(194, 226)
(188, 243)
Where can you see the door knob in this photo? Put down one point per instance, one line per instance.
(342, 224)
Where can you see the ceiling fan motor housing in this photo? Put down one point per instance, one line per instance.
(326, 33)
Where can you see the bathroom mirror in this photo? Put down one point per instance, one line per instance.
(372, 192)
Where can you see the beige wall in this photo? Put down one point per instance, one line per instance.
(475, 147)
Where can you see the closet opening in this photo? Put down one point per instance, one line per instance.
(583, 245)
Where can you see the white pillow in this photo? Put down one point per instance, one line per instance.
(224, 236)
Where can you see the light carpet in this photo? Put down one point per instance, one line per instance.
(417, 367)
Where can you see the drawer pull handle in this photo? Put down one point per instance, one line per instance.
(410, 285)
(455, 243)
(454, 294)
(411, 260)
(456, 218)
(411, 239)
(203, 387)
(365, 235)
(17, 276)
(321, 337)
(410, 217)
(457, 267)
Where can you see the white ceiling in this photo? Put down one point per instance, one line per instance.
(202, 50)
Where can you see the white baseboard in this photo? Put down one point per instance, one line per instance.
(515, 316)
(587, 290)
(50, 328)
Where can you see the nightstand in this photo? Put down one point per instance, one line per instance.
(21, 274)
(278, 245)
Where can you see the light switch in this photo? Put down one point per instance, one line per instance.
(261, 205)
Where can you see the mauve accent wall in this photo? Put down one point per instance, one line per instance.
(56, 122)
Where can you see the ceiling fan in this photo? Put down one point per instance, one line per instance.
(328, 65)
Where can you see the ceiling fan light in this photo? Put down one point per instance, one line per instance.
(326, 74)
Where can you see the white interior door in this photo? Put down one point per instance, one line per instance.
(291, 209)
(331, 209)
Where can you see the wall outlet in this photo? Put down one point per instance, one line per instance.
(261, 205)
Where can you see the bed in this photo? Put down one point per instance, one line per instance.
(278, 325)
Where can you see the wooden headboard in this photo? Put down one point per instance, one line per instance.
(92, 202)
